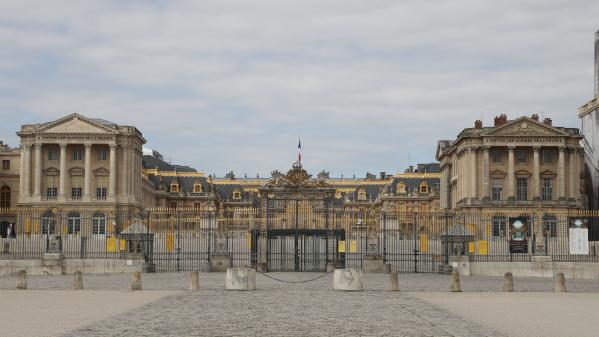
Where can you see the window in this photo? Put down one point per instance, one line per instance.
(197, 188)
(51, 187)
(101, 154)
(550, 223)
(5, 197)
(77, 153)
(99, 224)
(401, 188)
(236, 194)
(101, 183)
(174, 188)
(496, 155)
(361, 195)
(53, 153)
(74, 223)
(76, 187)
(197, 205)
(173, 205)
(522, 189)
(521, 156)
(424, 187)
(497, 189)
(498, 223)
(547, 189)
(6, 165)
(547, 156)
(48, 225)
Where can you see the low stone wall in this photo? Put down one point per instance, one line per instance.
(572, 270)
(69, 266)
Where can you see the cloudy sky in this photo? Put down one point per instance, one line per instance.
(230, 85)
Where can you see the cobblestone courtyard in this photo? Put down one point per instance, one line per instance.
(165, 308)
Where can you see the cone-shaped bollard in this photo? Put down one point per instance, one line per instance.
(136, 281)
(393, 281)
(78, 280)
(560, 283)
(194, 281)
(508, 282)
(455, 282)
(240, 279)
(348, 280)
(22, 279)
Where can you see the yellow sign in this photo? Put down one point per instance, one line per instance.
(341, 246)
(471, 247)
(122, 245)
(250, 240)
(488, 231)
(111, 245)
(170, 242)
(423, 243)
(27, 225)
(483, 247)
(353, 246)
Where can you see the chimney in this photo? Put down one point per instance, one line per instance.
(383, 175)
(535, 117)
(547, 121)
(501, 120)
(597, 63)
(478, 124)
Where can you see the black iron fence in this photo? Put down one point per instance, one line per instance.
(300, 237)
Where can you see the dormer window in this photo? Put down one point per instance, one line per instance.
(174, 188)
(197, 188)
(236, 195)
(338, 194)
(401, 188)
(424, 187)
(361, 195)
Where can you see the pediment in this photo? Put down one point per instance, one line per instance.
(101, 172)
(75, 123)
(498, 174)
(525, 126)
(76, 171)
(51, 171)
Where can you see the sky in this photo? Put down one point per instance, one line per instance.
(368, 86)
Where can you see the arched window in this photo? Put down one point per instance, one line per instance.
(99, 223)
(236, 194)
(48, 224)
(401, 188)
(424, 187)
(74, 223)
(5, 197)
(174, 187)
(197, 187)
(361, 194)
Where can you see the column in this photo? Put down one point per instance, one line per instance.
(511, 181)
(22, 172)
(536, 173)
(63, 172)
(579, 161)
(485, 175)
(561, 167)
(444, 186)
(112, 173)
(88, 172)
(572, 157)
(473, 180)
(38, 170)
(27, 172)
(124, 171)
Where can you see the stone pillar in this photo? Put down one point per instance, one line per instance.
(63, 172)
(112, 174)
(572, 158)
(473, 181)
(88, 172)
(485, 175)
(536, 174)
(560, 174)
(22, 172)
(511, 180)
(124, 167)
(27, 172)
(38, 170)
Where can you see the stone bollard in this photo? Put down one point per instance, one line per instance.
(560, 283)
(348, 280)
(194, 281)
(508, 282)
(78, 281)
(455, 282)
(240, 279)
(393, 281)
(136, 281)
(22, 279)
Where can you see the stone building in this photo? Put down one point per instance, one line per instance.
(590, 132)
(514, 164)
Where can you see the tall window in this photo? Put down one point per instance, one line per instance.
(48, 225)
(424, 187)
(401, 188)
(53, 153)
(522, 189)
(498, 223)
(76, 187)
(197, 188)
(236, 194)
(51, 187)
(550, 223)
(497, 189)
(547, 156)
(5, 197)
(6, 165)
(496, 155)
(547, 188)
(101, 186)
(99, 224)
(521, 155)
(74, 223)
(101, 154)
(77, 153)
